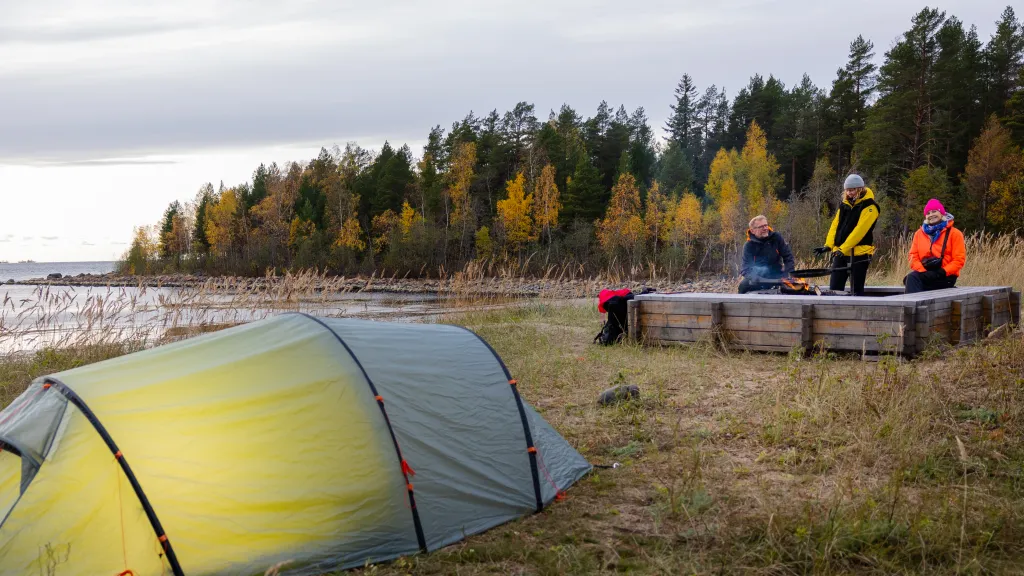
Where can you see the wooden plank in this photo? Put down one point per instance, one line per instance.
(955, 323)
(676, 320)
(673, 334)
(987, 304)
(633, 319)
(909, 330)
(893, 313)
(755, 324)
(742, 337)
(861, 343)
(858, 327)
(716, 315)
(755, 348)
(761, 310)
(1015, 308)
(697, 308)
(923, 330)
(807, 326)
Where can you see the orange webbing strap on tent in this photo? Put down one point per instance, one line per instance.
(530, 448)
(404, 466)
(75, 399)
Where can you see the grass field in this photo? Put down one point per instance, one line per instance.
(743, 463)
(757, 463)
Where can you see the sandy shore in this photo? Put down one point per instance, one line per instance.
(549, 288)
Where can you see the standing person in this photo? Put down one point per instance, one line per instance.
(852, 234)
(765, 255)
(938, 251)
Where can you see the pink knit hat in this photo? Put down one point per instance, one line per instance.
(934, 204)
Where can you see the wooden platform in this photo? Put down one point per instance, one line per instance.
(884, 320)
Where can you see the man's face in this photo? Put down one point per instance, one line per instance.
(933, 217)
(852, 193)
(760, 229)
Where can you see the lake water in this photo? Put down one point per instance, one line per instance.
(33, 317)
(30, 270)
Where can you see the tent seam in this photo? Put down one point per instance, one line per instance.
(417, 524)
(531, 448)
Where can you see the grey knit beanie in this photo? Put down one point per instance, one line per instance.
(853, 181)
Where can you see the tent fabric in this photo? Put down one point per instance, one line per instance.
(264, 443)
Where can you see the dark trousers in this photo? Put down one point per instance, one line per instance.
(860, 272)
(923, 281)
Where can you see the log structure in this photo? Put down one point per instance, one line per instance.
(884, 320)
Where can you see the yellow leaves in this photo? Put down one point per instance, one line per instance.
(1008, 211)
(459, 178)
(514, 213)
(655, 214)
(298, 231)
(684, 221)
(409, 218)
(622, 226)
(754, 173)
(723, 167)
(220, 222)
(546, 205)
(759, 172)
(350, 235)
(384, 226)
(729, 212)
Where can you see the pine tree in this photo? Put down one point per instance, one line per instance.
(676, 170)
(1004, 61)
(199, 240)
(847, 105)
(899, 135)
(682, 124)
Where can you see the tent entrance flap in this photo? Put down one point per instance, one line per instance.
(123, 462)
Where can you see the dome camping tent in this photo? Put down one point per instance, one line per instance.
(323, 443)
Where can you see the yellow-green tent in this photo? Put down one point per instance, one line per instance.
(322, 443)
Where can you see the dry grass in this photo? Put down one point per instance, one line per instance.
(757, 463)
(731, 462)
(991, 261)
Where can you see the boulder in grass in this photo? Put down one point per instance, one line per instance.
(618, 394)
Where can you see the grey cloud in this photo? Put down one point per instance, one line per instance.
(50, 237)
(327, 72)
(7, 238)
(87, 243)
(45, 34)
(27, 239)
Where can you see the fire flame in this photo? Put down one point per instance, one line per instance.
(796, 283)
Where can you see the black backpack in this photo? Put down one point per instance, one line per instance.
(615, 326)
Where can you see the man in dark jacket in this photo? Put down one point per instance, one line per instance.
(765, 256)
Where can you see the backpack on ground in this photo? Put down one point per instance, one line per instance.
(614, 303)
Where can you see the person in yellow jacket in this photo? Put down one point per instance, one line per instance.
(852, 233)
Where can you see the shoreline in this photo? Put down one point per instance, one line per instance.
(491, 286)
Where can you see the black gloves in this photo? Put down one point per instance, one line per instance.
(934, 275)
(822, 250)
(932, 263)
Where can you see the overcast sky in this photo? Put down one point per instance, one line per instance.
(109, 110)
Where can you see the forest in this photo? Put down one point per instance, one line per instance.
(939, 114)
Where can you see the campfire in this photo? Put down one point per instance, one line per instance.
(795, 286)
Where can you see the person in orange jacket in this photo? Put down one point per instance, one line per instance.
(937, 253)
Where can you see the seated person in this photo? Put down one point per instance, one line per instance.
(938, 252)
(765, 256)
